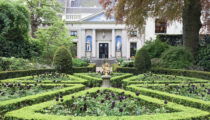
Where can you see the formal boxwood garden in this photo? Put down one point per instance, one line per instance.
(54, 96)
(155, 108)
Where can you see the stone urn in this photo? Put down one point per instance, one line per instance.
(106, 77)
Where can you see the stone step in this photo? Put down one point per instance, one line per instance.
(100, 62)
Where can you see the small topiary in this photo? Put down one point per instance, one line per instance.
(177, 58)
(142, 61)
(63, 60)
(203, 57)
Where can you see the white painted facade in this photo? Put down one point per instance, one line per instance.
(91, 22)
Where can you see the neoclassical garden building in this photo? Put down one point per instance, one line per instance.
(99, 37)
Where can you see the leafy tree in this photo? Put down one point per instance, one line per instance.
(15, 20)
(14, 31)
(52, 37)
(42, 12)
(135, 13)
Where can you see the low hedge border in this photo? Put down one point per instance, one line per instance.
(72, 80)
(92, 81)
(131, 80)
(22, 73)
(185, 113)
(179, 72)
(186, 101)
(117, 81)
(13, 104)
(117, 68)
(189, 73)
(89, 68)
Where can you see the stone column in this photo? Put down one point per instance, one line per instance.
(94, 43)
(125, 43)
(113, 43)
(82, 44)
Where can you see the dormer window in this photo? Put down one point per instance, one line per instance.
(74, 3)
(133, 33)
(160, 26)
(73, 33)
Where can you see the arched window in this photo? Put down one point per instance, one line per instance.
(118, 43)
(88, 43)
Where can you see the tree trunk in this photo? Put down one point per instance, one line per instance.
(33, 30)
(191, 24)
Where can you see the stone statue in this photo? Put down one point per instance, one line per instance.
(106, 68)
(88, 46)
(118, 45)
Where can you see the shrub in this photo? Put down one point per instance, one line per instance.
(142, 61)
(127, 64)
(156, 62)
(63, 60)
(79, 62)
(203, 57)
(177, 58)
(155, 48)
(12, 63)
(120, 60)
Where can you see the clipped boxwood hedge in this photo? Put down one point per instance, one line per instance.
(132, 80)
(180, 72)
(22, 73)
(72, 80)
(13, 104)
(184, 113)
(189, 73)
(92, 81)
(117, 81)
(186, 101)
(89, 68)
(117, 68)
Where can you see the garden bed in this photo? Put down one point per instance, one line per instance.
(186, 101)
(30, 99)
(9, 91)
(104, 103)
(198, 91)
(150, 78)
(52, 78)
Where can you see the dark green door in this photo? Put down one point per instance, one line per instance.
(103, 50)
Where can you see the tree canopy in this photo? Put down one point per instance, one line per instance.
(52, 37)
(136, 12)
(42, 12)
(15, 20)
(14, 31)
